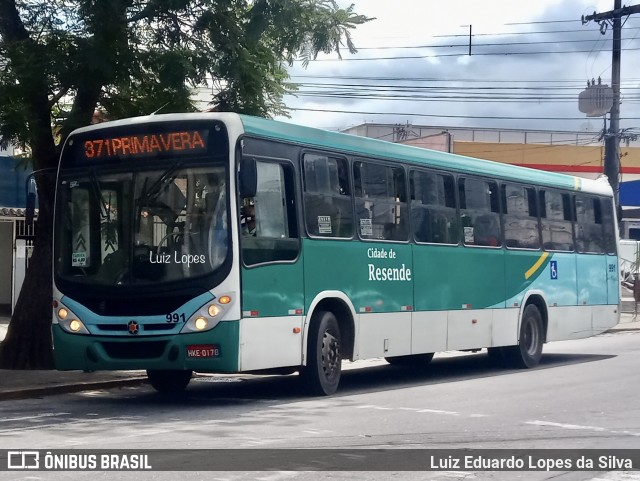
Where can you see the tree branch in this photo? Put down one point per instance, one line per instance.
(35, 89)
(147, 12)
(58, 96)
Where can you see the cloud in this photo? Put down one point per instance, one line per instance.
(525, 62)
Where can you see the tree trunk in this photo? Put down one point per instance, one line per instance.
(28, 342)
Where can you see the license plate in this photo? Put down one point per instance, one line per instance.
(203, 351)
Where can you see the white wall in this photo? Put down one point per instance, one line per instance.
(6, 261)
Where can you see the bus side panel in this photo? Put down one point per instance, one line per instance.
(377, 277)
(453, 278)
(613, 280)
(558, 279)
(608, 316)
(592, 279)
(429, 331)
(467, 281)
(437, 277)
(272, 306)
(527, 270)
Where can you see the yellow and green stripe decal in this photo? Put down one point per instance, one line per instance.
(577, 183)
(534, 268)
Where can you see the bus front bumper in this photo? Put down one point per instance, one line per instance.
(211, 351)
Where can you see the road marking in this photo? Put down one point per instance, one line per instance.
(580, 427)
(279, 475)
(420, 410)
(617, 476)
(37, 416)
(438, 411)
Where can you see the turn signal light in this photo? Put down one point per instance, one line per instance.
(224, 300)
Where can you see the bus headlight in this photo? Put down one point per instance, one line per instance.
(68, 321)
(209, 315)
(201, 323)
(73, 325)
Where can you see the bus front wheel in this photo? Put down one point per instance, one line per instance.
(528, 352)
(324, 358)
(169, 381)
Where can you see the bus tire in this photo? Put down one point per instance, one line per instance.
(324, 358)
(169, 381)
(413, 360)
(528, 352)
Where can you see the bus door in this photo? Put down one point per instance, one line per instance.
(272, 273)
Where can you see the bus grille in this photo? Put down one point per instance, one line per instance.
(134, 350)
(145, 327)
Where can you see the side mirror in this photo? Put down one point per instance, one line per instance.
(248, 177)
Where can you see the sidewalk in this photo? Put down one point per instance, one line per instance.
(25, 384)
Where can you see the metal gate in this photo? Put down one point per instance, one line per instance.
(23, 248)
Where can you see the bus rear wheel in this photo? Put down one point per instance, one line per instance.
(324, 358)
(169, 381)
(528, 352)
(413, 360)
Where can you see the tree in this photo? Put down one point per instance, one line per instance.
(63, 60)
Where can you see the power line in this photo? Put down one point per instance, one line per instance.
(496, 34)
(475, 45)
(434, 79)
(462, 54)
(414, 114)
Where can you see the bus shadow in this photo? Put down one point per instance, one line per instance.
(243, 391)
(360, 380)
(446, 370)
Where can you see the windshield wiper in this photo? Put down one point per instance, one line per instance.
(167, 177)
(105, 211)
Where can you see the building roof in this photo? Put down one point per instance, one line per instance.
(12, 212)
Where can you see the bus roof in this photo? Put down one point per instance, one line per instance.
(416, 155)
(381, 149)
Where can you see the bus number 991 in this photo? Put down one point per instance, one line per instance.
(176, 317)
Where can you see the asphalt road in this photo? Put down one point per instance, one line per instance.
(584, 395)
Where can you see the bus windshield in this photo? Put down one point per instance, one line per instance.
(160, 225)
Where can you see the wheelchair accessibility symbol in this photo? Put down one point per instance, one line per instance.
(553, 267)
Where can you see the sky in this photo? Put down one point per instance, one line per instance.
(529, 62)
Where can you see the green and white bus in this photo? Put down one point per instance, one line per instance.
(222, 243)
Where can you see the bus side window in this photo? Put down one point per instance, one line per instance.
(433, 208)
(589, 227)
(479, 212)
(381, 201)
(520, 217)
(556, 221)
(327, 196)
(269, 231)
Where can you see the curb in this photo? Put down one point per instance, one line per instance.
(69, 388)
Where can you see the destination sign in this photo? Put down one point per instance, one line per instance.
(182, 142)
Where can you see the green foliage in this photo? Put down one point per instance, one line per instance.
(68, 58)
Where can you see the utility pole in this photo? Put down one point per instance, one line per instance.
(612, 137)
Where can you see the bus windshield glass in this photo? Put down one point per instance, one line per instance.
(152, 226)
